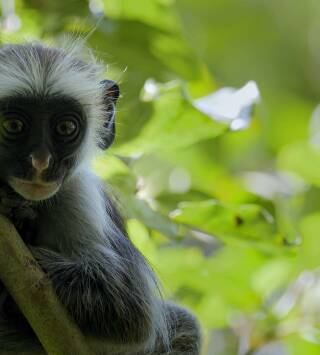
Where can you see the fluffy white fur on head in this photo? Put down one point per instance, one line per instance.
(34, 69)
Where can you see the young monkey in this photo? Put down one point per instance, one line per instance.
(56, 113)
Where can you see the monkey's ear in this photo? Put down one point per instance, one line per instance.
(112, 92)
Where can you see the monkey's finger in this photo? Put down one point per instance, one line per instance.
(10, 202)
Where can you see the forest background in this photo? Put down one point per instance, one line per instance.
(221, 197)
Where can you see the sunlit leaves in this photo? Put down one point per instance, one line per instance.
(303, 159)
(229, 233)
(155, 12)
(175, 124)
(140, 210)
(251, 222)
(310, 253)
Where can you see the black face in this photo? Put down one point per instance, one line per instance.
(39, 142)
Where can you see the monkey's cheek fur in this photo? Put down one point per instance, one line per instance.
(34, 191)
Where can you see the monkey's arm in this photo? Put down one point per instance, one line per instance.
(22, 213)
(106, 293)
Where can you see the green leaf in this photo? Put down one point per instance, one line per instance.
(249, 222)
(303, 159)
(141, 211)
(310, 252)
(156, 13)
(175, 124)
(296, 345)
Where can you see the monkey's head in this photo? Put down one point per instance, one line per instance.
(55, 113)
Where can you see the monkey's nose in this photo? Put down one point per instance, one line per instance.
(40, 162)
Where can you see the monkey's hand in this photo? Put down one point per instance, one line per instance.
(97, 300)
(15, 206)
(21, 212)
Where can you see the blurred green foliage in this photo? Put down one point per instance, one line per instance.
(229, 220)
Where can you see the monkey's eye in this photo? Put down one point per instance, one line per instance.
(13, 126)
(66, 128)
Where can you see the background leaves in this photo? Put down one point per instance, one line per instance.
(229, 220)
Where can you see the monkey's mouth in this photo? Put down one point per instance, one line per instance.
(34, 190)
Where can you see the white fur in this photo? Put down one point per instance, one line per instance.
(24, 71)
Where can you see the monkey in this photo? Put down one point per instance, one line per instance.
(57, 112)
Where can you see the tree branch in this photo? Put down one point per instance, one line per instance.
(33, 292)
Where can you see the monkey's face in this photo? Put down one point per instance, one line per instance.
(40, 141)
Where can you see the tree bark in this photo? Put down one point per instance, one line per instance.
(33, 292)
